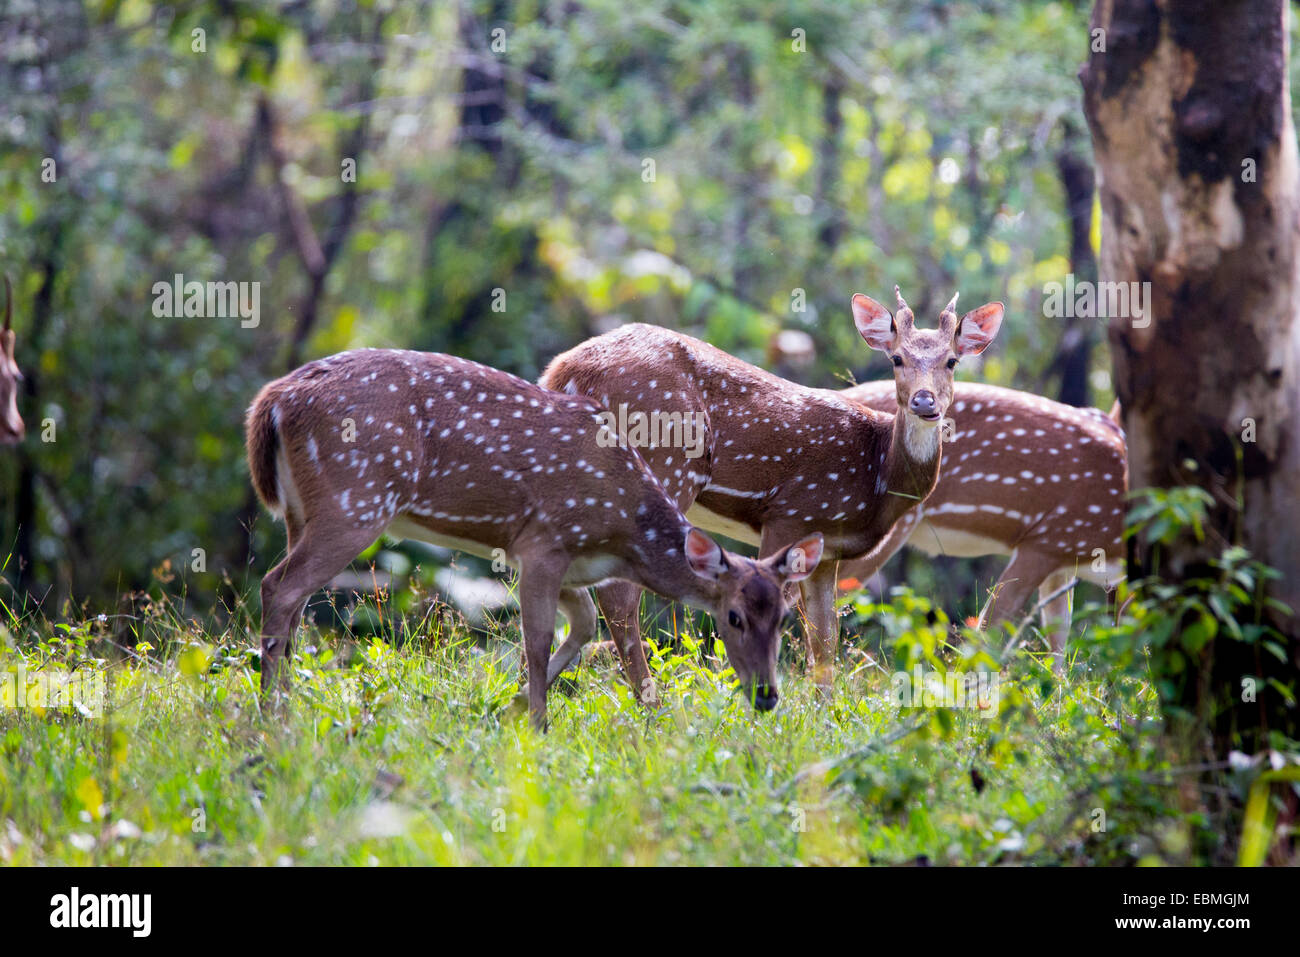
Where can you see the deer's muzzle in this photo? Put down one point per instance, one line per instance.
(924, 404)
(765, 697)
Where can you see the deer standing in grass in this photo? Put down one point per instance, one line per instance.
(1023, 476)
(12, 429)
(780, 460)
(429, 446)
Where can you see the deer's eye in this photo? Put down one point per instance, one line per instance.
(733, 619)
(898, 360)
(952, 363)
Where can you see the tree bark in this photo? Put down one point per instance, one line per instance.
(1190, 113)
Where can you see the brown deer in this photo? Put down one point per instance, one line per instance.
(12, 429)
(433, 447)
(779, 460)
(1023, 476)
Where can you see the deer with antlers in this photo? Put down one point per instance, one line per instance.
(1026, 477)
(12, 429)
(433, 447)
(780, 460)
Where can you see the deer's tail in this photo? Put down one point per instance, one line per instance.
(263, 440)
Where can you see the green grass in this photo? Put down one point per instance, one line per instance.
(414, 755)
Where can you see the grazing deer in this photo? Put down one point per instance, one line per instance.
(445, 450)
(780, 460)
(1023, 476)
(12, 429)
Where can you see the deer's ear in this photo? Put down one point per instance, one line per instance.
(977, 329)
(875, 323)
(704, 555)
(799, 560)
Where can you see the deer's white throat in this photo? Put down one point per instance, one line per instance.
(920, 437)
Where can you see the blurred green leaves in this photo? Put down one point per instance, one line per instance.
(909, 143)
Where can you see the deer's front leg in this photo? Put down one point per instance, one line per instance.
(1057, 617)
(620, 601)
(822, 623)
(580, 610)
(817, 604)
(539, 593)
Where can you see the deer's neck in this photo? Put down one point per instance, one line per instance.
(912, 466)
(656, 554)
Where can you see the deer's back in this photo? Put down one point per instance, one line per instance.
(471, 454)
(761, 433)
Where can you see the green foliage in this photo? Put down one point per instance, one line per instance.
(1179, 622)
(1161, 514)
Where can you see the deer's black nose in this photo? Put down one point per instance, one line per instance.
(765, 697)
(923, 404)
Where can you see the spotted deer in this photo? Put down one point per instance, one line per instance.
(1022, 476)
(780, 460)
(12, 429)
(437, 448)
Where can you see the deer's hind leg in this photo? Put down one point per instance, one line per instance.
(315, 556)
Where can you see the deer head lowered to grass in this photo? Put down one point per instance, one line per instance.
(780, 460)
(434, 447)
(12, 429)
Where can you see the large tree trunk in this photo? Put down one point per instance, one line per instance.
(1190, 113)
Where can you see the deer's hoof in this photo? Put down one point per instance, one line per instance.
(518, 704)
(824, 684)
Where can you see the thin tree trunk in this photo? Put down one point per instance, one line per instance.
(829, 167)
(29, 475)
(1075, 348)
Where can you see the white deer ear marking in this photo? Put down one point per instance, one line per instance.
(704, 555)
(977, 329)
(800, 560)
(875, 323)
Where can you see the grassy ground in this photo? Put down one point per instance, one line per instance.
(413, 755)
